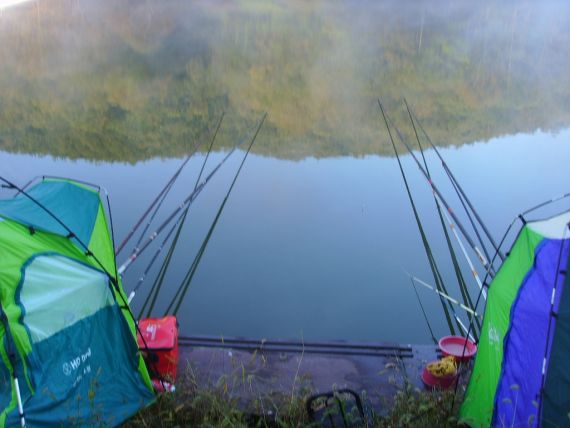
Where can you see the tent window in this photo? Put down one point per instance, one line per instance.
(58, 292)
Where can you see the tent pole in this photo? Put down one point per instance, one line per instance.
(19, 397)
(549, 329)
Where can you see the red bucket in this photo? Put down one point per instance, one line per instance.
(460, 348)
(161, 350)
(443, 382)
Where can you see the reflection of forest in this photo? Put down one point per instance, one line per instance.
(124, 80)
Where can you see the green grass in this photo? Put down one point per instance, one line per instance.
(219, 405)
(420, 408)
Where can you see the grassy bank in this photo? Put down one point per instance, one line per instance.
(219, 405)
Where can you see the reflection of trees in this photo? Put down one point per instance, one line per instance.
(126, 81)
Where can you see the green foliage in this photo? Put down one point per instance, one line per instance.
(221, 404)
(417, 408)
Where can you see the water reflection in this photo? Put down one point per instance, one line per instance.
(123, 80)
(317, 247)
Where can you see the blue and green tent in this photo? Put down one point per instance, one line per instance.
(66, 334)
(521, 375)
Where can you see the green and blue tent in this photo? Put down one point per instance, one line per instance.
(66, 332)
(521, 375)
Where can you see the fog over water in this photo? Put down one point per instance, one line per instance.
(316, 236)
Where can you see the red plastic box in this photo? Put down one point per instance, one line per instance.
(161, 350)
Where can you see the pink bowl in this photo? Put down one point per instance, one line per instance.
(432, 381)
(454, 346)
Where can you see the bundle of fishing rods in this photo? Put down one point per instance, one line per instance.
(169, 230)
(474, 242)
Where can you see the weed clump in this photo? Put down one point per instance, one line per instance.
(219, 405)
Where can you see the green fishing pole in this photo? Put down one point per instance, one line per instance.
(431, 260)
(182, 290)
(460, 280)
(449, 210)
(174, 214)
(156, 203)
(451, 223)
(179, 225)
(163, 243)
(456, 302)
(460, 191)
(423, 312)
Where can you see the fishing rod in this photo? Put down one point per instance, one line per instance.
(451, 300)
(436, 191)
(433, 266)
(450, 222)
(465, 330)
(451, 179)
(469, 262)
(163, 243)
(465, 344)
(460, 280)
(12, 358)
(187, 202)
(456, 302)
(159, 280)
(178, 226)
(147, 226)
(469, 217)
(185, 285)
(158, 200)
(113, 280)
(424, 312)
(458, 187)
(152, 216)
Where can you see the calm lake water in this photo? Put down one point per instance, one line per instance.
(317, 235)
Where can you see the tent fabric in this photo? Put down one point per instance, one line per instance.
(477, 408)
(555, 399)
(76, 206)
(518, 392)
(75, 351)
(505, 385)
(56, 292)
